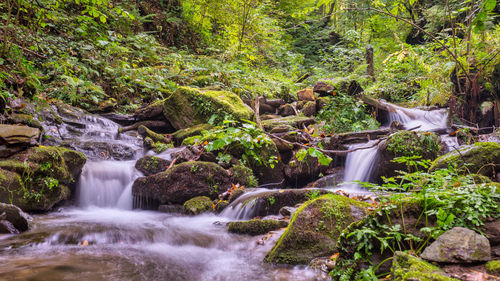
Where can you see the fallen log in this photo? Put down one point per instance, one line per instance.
(363, 136)
(147, 133)
(151, 111)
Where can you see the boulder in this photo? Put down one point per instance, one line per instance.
(315, 228)
(409, 268)
(255, 226)
(309, 109)
(323, 88)
(321, 103)
(189, 106)
(306, 95)
(40, 177)
(286, 110)
(150, 165)
(458, 245)
(299, 173)
(481, 158)
(182, 134)
(243, 175)
(18, 135)
(183, 182)
(198, 205)
(18, 220)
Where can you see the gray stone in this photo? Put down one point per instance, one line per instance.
(459, 245)
(13, 217)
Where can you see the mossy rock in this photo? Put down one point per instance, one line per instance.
(40, 177)
(150, 165)
(244, 176)
(189, 106)
(481, 158)
(255, 226)
(183, 182)
(493, 267)
(25, 119)
(315, 228)
(182, 134)
(202, 81)
(198, 205)
(297, 122)
(409, 268)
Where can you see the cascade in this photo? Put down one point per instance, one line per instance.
(244, 207)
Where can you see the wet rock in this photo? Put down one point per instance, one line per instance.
(39, 177)
(306, 95)
(180, 135)
(323, 88)
(16, 217)
(18, 135)
(481, 158)
(410, 268)
(235, 193)
(255, 226)
(243, 176)
(183, 182)
(493, 267)
(221, 205)
(150, 165)
(330, 180)
(188, 106)
(315, 228)
(198, 205)
(309, 109)
(102, 150)
(287, 211)
(286, 110)
(458, 245)
(405, 143)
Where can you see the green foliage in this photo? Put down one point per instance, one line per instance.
(313, 194)
(315, 153)
(345, 114)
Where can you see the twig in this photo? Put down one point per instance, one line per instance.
(26, 50)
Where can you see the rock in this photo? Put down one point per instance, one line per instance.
(410, 268)
(298, 122)
(299, 173)
(492, 231)
(255, 226)
(306, 95)
(198, 205)
(329, 180)
(150, 165)
(266, 108)
(286, 110)
(175, 209)
(188, 106)
(25, 119)
(287, 211)
(309, 109)
(458, 245)
(183, 182)
(481, 158)
(405, 143)
(182, 134)
(221, 205)
(323, 88)
(493, 267)
(244, 176)
(321, 103)
(18, 135)
(151, 111)
(101, 150)
(40, 177)
(182, 155)
(16, 217)
(315, 228)
(145, 132)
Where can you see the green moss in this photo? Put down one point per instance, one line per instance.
(183, 134)
(406, 267)
(293, 121)
(314, 229)
(255, 226)
(188, 106)
(479, 158)
(493, 267)
(406, 143)
(198, 205)
(244, 176)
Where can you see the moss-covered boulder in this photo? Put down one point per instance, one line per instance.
(182, 134)
(40, 177)
(405, 144)
(243, 175)
(198, 205)
(314, 229)
(493, 267)
(183, 182)
(297, 122)
(481, 158)
(409, 268)
(255, 227)
(189, 106)
(150, 165)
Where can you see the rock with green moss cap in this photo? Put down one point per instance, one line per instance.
(458, 245)
(255, 227)
(481, 158)
(405, 144)
(150, 165)
(243, 175)
(198, 205)
(315, 228)
(493, 267)
(409, 268)
(189, 106)
(183, 182)
(40, 177)
(298, 122)
(182, 134)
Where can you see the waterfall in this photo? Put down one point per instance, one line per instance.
(359, 165)
(245, 206)
(424, 120)
(107, 184)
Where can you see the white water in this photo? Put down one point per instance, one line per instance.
(421, 120)
(243, 208)
(359, 166)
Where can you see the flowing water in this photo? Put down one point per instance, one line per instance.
(102, 238)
